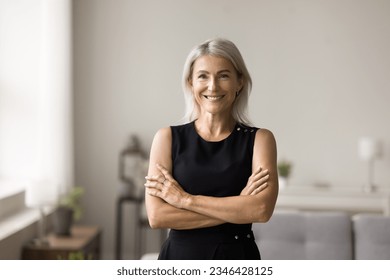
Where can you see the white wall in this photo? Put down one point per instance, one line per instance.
(321, 80)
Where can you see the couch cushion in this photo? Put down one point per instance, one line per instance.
(305, 235)
(372, 237)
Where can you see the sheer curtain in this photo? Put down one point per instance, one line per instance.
(56, 101)
(36, 93)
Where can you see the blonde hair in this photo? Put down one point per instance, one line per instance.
(226, 49)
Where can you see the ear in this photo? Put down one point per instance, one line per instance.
(240, 84)
(189, 81)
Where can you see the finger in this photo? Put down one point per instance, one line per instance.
(253, 175)
(165, 172)
(260, 189)
(153, 184)
(159, 178)
(260, 182)
(264, 172)
(257, 170)
(251, 188)
(260, 175)
(152, 192)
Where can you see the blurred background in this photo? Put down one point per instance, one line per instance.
(79, 78)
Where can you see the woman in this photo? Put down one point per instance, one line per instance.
(214, 176)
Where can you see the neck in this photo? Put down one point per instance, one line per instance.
(214, 128)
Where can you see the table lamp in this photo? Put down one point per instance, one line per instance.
(41, 194)
(369, 150)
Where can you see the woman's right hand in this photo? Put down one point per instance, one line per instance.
(256, 182)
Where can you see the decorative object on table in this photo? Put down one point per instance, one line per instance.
(369, 150)
(68, 211)
(133, 167)
(284, 172)
(41, 194)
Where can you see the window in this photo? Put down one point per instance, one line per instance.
(35, 92)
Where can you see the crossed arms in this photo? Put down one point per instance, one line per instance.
(169, 206)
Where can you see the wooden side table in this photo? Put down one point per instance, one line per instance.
(84, 242)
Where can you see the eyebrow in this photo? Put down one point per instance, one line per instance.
(219, 72)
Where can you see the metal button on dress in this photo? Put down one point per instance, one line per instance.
(236, 236)
(248, 235)
(238, 129)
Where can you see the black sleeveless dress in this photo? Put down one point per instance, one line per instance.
(216, 169)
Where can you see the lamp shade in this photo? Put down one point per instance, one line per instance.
(41, 193)
(369, 148)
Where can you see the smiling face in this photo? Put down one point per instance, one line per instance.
(214, 84)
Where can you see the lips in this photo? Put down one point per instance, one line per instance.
(214, 98)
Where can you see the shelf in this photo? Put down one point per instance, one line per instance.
(332, 199)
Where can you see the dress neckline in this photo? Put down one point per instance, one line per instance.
(214, 142)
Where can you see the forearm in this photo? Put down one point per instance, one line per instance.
(234, 209)
(164, 215)
(240, 209)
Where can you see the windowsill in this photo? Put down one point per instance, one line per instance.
(8, 189)
(14, 215)
(17, 222)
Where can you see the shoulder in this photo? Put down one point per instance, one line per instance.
(160, 150)
(163, 135)
(265, 150)
(166, 134)
(263, 133)
(164, 131)
(181, 127)
(265, 138)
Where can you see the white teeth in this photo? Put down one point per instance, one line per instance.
(213, 97)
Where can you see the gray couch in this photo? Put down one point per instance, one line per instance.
(303, 235)
(323, 235)
(371, 237)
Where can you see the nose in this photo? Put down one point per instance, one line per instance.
(212, 85)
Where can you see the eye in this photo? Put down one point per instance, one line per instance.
(224, 76)
(202, 76)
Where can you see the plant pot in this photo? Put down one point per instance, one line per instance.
(63, 221)
(283, 182)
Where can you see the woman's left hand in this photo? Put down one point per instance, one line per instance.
(166, 187)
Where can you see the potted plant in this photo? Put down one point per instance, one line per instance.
(284, 170)
(68, 211)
